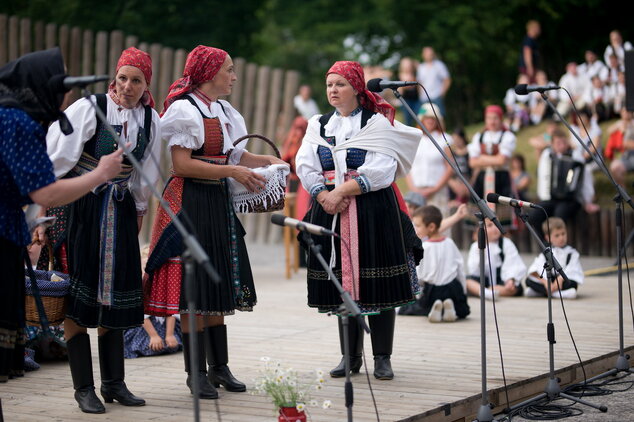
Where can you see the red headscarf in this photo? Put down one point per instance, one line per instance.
(494, 109)
(353, 73)
(142, 61)
(201, 66)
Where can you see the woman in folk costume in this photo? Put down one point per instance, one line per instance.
(31, 93)
(490, 153)
(348, 162)
(200, 130)
(103, 248)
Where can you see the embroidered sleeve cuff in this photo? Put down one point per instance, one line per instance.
(314, 191)
(363, 182)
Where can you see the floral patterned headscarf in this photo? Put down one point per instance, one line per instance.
(353, 73)
(201, 66)
(141, 60)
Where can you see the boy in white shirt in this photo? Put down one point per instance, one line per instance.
(506, 265)
(441, 272)
(568, 258)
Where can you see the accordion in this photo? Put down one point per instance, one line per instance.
(566, 177)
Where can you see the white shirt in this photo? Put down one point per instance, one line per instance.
(572, 269)
(65, 150)
(598, 68)
(378, 170)
(577, 85)
(511, 99)
(506, 146)
(429, 165)
(620, 52)
(443, 263)
(306, 108)
(183, 125)
(432, 76)
(513, 266)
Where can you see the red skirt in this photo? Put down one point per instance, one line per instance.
(164, 297)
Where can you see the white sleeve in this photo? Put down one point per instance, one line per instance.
(444, 72)
(182, 125)
(474, 146)
(140, 189)
(573, 270)
(543, 175)
(507, 145)
(309, 168)
(473, 261)
(65, 150)
(509, 98)
(459, 264)
(377, 172)
(538, 264)
(514, 266)
(607, 53)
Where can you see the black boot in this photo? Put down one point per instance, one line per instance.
(355, 340)
(113, 372)
(382, 327)
(218, 357)
(80, 362)
(205, 389)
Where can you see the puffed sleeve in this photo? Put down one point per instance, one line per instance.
(182, 125)
(140, 188)
(377, 172)
(474, 146)
(65, 150)
(538, 265)
(473, 261)
(309, 169)
(573, 269)
(513, 266)
(507, 145)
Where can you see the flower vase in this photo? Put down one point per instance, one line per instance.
(291, 414)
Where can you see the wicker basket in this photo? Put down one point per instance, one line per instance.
(54, 305)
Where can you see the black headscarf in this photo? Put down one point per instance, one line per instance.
(25, 83)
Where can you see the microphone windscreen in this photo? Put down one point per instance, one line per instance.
(493, 198)
(521, 89)
(374, 85)
(278, 219)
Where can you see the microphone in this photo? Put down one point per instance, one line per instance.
(379, 84)
(505, 200)
(281, 220)
(523, 89)
(65, 83)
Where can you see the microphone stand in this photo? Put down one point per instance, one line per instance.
(193, 251)
(552, 390)
(348, 308)
(622, 362)
(484, 412)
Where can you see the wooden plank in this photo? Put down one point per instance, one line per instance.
(13, 38)
(87, 54)
(235, 98)
(130, 41)
(114, 50)
(38, 36)
(51, 35)
(291, 84)
(165, 74)
(64, 42)
(25, 36)
(101, 59)
(155, 53)
(4, 31)
(248, 97)
(74, 58)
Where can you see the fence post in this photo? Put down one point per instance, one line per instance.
(4, 29)
(51, 35)
(13, 38)
(101, 59)
(25, 36)
(38, 36)
(235, 98)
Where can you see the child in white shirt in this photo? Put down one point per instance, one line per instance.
(441, 272)
(506, 264)
(568, 258)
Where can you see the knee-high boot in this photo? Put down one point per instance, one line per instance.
(205, 389)
(112, 369)
(218, 358)
(382, 327)
(355, 341)
(80, 362)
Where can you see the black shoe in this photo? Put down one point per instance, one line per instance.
(221, 375)
(383, 368)
(217, 351)
(88, 401)
(119, 392)
(340, 370)
(112, 369)
(205, 389)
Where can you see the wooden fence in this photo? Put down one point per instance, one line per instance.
(263, 95)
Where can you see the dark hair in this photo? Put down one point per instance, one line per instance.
(520, 158)
(429, 214)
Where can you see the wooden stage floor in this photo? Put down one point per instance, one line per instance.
(435, 364)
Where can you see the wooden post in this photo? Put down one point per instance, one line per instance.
(179, 65)
(235, 98)
(87, 61)
(144, 47)
(155, 53)
(51, 35)
(101, 59)
(13, 38)
(130, 41)
(25, 36)
(291, 84)
(116, 47)
(4, 30)
(38, 36)
(248, 95)
(64, 36)
(165, 74)
(275, 105)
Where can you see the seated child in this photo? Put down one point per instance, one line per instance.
(157, 336)
(506, 264)
(568, 257)
(441, 272)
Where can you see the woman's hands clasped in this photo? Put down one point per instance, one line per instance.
(333, 202)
